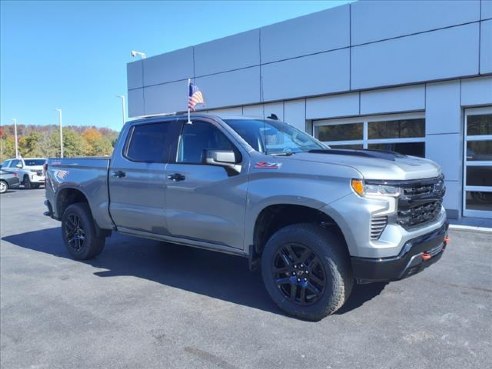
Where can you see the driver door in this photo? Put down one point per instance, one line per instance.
(205, 202)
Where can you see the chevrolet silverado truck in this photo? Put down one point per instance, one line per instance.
(315, 219)
(28, 170)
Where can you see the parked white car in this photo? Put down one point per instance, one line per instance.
(28, 170)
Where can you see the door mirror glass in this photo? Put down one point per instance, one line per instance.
(221, 157)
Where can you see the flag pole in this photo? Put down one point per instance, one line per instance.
(189, 95)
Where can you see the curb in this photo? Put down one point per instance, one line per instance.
(470, 228)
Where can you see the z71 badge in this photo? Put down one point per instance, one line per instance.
(267, 165)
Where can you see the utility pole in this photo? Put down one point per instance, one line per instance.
(123, 110)
(61, 132)
(15, 138)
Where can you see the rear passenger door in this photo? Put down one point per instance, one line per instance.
(137, 177)
(206, 202)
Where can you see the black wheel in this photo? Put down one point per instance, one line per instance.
(79, 232)
(3, 186)
(306, 270)
(27, 183)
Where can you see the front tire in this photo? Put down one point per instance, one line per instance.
(306, 271)
(3, 186)
(79, 232)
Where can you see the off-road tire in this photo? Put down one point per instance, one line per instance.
(79, 232)
(329, 262)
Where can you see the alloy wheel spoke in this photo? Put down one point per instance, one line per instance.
(293, 292)
(282, 281)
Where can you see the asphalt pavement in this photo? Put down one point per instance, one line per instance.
(145, 304)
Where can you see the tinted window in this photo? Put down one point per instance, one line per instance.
(198, 137)
(397, 128)
(340, 132)
(479, 125)
(33, 162)
(149, 143)
(406, 148)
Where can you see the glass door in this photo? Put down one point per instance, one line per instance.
(477, 197)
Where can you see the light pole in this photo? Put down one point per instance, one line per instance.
(15, 138)
(123, 110)
(61, 132)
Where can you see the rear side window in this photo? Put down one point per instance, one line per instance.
(149, 143)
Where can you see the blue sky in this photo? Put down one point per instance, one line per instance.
(73, 54)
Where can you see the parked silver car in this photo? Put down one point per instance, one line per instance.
(8, 180)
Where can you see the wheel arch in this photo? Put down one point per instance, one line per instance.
(274, 217)
(69, 196)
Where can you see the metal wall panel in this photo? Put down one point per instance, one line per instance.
(486, 47)
(229, 53)
(429, 56)
(446, 150)
(452, 199)
(173, 66)
(136, 105)
(476, 91)
(231, 88)
(295, 113)
(486, 9)
(380, 20)
(311, 75)
(134, 74)
(237, 110)
(442, 107)
(321, 31)
(400, 99)
(166, 98)
(276, 108)
(253, 110)
(332, 106)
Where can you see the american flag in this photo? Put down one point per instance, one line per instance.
(195, 96)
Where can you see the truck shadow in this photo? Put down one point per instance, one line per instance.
(216, 275)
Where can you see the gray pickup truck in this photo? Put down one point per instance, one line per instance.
(315, 219)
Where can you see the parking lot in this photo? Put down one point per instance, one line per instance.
(144, 304)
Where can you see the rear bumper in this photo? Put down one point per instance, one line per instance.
(416, 255)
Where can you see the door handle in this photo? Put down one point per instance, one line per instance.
(176, 177)
(118, 174)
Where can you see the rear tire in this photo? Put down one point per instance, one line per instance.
(306, 270)
(3, 186)
(27, 183)
(79, 232)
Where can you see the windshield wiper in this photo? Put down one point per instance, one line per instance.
(287, 153)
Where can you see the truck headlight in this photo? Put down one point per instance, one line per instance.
(367, 189)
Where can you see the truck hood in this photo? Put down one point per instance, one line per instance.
(375, 164)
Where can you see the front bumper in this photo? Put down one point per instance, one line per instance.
(417, 254)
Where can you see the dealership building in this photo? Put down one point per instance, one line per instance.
(409, 76)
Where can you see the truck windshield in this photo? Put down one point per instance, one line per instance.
(273, 137)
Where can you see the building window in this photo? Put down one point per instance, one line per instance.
(403, 133)
(477, 197)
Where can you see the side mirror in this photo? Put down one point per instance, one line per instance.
(226, 159)
(19, 165)
(220, 157)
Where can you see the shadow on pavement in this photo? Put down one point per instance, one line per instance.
(213, 274)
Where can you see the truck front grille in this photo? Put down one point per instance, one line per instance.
(378, 224)
(420, 201)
